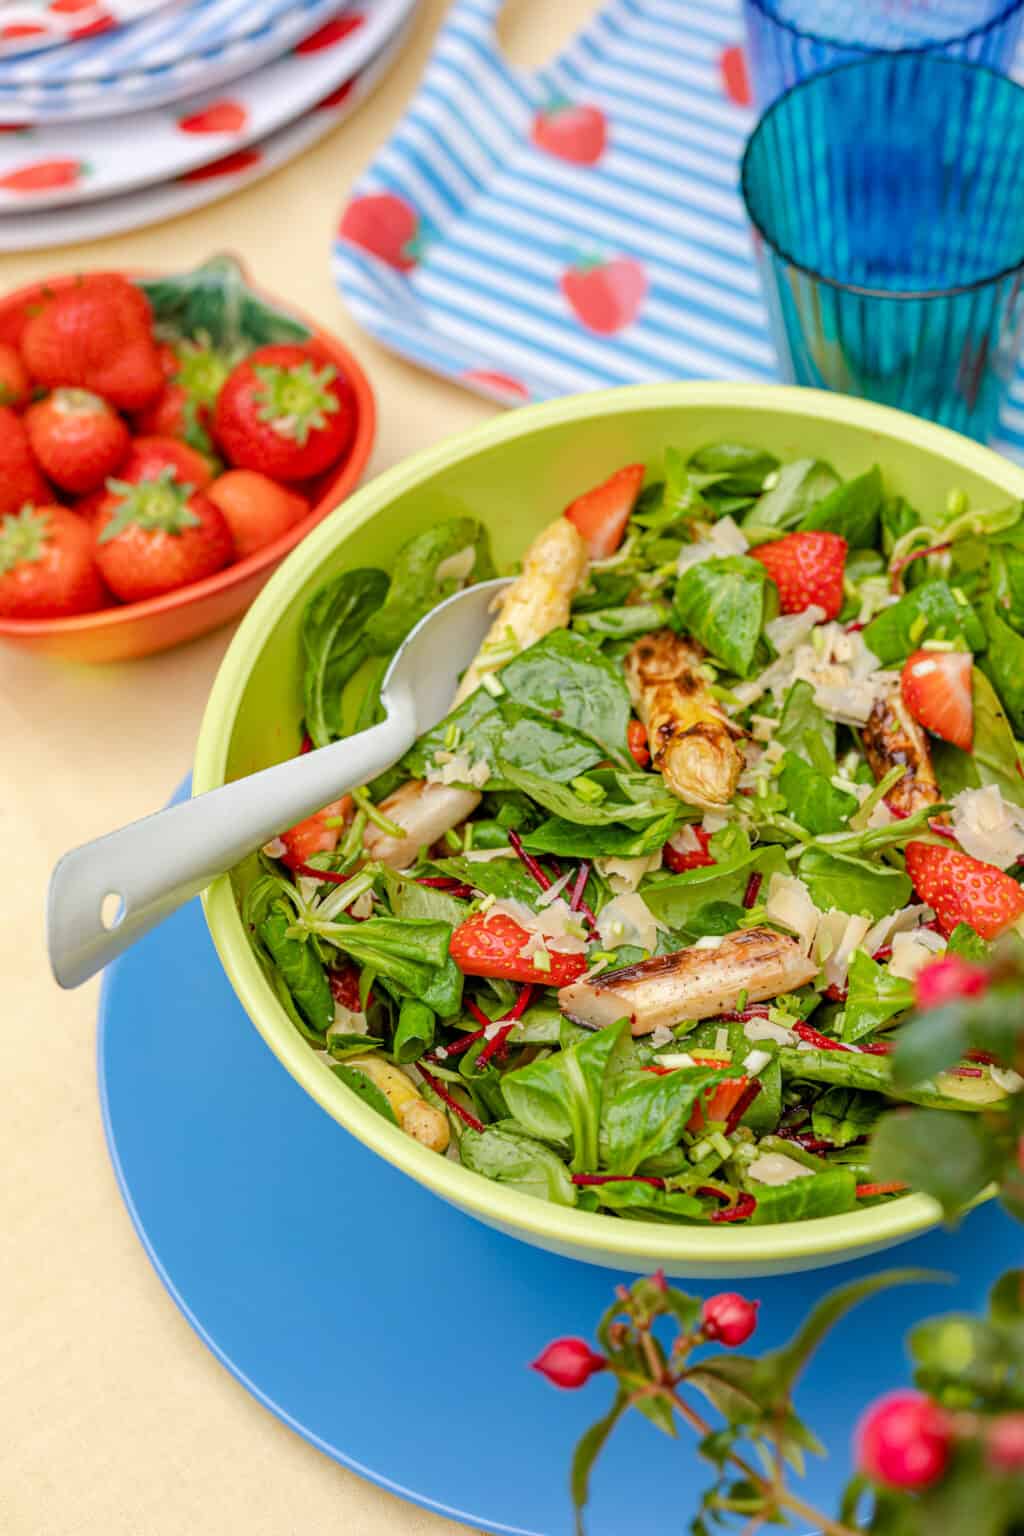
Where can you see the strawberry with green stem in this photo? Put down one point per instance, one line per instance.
(77, 438)
(573, 131)
(285, 413)
(154, 536)
(387, 226)
(605, 295)
(46, 565)
(20, 479)
(197, 372)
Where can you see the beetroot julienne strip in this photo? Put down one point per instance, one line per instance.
(447, 883)
(819, 1041)
(745, 1206)
(446, 1098)
(755, 1011)
(753, 888)
(329, 876)
(576, 902)
(529, 860)
(899, 566)
(742, 1104)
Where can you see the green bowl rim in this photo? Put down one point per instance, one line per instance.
(555, 1225)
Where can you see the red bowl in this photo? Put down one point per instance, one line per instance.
(126, 630)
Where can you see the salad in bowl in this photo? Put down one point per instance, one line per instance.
(732, 782)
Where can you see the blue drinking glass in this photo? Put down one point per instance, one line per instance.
(787, 40)
(887, 203)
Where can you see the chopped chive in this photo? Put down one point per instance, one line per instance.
(362, 799)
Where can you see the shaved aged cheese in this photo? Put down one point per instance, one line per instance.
(724, 537)
(911, 951)
(624, 875)
(838, 962)
(766, 1029)
(789, 904)
(456, 567)
(775, 1169)
(987, 827)
(628, 920)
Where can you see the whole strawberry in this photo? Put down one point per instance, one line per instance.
(285, 413)
(157, 535)
(46, 564)
(195, 375)
(77, 439)
(150, 456)
(96, 334)
(808, 569)
(15, 385)
(20, 479)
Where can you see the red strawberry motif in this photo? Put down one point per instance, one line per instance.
(333, 32)
(219, 117)
(70, 7)
(501, 385)
(93, 28)
(385, 225)
(16, 29)
(605, 296)
(227, 165)
(733, 65)
(576, 133)
(338, 96)
(964, 890)
(43, 176)
(808, 569)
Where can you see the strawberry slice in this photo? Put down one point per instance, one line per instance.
(601, 515)
(807, 568)
(677, 859)
(490, 945)
(936, 688)
(964, 890)
(313, 836)
(718, 1104)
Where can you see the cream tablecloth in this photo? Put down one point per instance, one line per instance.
(114, 1420)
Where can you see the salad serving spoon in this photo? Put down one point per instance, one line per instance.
(109, 892)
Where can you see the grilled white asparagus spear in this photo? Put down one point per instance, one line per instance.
(893, 738)
(424, 1122)
(537, 602)
(693, 983)
(426, 812)
(691, 743)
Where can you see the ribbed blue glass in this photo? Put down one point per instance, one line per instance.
(887, 200)
(787, 40)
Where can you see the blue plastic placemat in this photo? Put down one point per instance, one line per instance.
(529, 252)
(390, 1330)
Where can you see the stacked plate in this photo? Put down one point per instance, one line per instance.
(119, 113)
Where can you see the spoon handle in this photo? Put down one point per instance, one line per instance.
(148, 869)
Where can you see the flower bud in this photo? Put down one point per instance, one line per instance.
(569, 1363)
(729, 1318)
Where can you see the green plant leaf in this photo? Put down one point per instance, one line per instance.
(928, 612)
(415, 1032)
(300, 970)
(721, 603)
(559, 1098)
(648, 1114)
(1003, 663)
(588, 1448)
(677, 899)
(415, 587)
(946, 1155)
(851, 510)
(568, 840)
(844, 1115)
(623, 623)
(874, 997)
(853, 885)
(566, 678)
(333, 644)
(215, 301)
(365, 1088)
(993, 758)
(801, 718)
(800, 486)
(507, 1155)
(811, 799)
(822, 1194)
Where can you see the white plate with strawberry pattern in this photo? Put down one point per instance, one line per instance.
(62, 165)
(29, 26)
(218, 179)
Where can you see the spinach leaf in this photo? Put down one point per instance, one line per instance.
(676, 899)
(567, 839)
(736, 467)
(821, 1194)
(409, 900)
(947, 1156)
(898, 517)
(564, 803)
(415, 1032)
(505, 878)
(341, 1046)
(714, 918)
(605, 589)
(623, 623)
(874, 997)
(299, 968)
(415, 588)
(932, 611)
(646, 1202)
(844, 1115)
(507, 1155)
(811, 799)
(993, 758)
(801, 718)
(366, 1088)
(490, 729)
(853, 885)
(412, 955)
(851, 510)
(721, 603)
(1003, 663)
(566, 678)
(800, 486)
(1006, 567)
(333, 631)
(964, 941)
(648, 1114)
(560, 1097)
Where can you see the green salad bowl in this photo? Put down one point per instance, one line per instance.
(514, 474)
